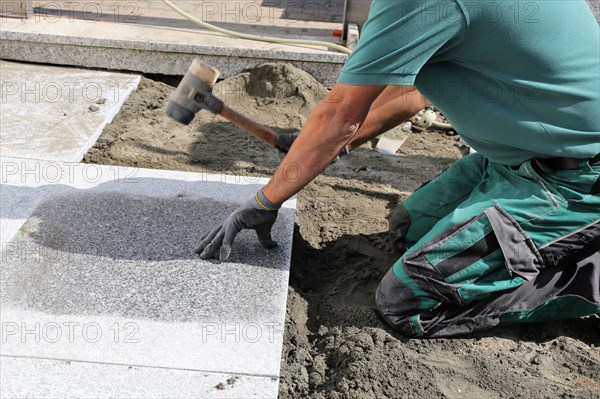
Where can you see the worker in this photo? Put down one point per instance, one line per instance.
(508, 234)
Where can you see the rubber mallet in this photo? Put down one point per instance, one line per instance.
(194, 93)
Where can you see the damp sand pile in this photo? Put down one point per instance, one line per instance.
(334, 346)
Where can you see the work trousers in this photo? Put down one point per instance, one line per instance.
(485, 244)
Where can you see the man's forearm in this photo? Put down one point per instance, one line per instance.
(328, 128)
(395, 105)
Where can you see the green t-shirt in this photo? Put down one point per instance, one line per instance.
(517, 79)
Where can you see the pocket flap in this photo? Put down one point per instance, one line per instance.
(521, 255)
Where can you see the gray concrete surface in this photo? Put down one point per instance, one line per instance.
(54, 379)
(102, 272)
(16, 8)
(46, 110)
(146, 36)
(595, 6)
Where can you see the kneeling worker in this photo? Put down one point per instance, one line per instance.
(509, 234)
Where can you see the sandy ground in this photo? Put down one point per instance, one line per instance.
(334, 345)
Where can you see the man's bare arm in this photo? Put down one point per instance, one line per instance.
(393, 106)
(329, 127)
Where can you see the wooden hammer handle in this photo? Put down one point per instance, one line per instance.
(256, 129)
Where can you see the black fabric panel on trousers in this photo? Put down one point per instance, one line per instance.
(596, 188)
(474, 253)
(580, 279)
(571, 244)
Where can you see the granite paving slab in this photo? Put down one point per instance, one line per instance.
(16, 202)
(52, 379)
(281, 18)
(123, 46)
(57, 113)
(103, 272)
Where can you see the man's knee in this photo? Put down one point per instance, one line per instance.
(400, 302)
(394, 300)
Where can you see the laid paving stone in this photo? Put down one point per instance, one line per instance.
(125, 46)
(23, 185)
(103, 271)
(57, 113)
(53, 379)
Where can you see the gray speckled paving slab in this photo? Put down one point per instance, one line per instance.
(125, 46)
(103, 272)
(46, 109)
(53, 379)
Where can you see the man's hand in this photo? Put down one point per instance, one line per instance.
(285, 141)
(258, 214)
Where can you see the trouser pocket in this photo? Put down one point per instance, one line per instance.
(520, 254)
(489, 252)
(485, 255)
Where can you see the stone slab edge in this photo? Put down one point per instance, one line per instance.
(243, 51)
(44, 378)
(151, 61)
(129, 88)
(18, 171)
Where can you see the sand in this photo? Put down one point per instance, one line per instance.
(334, 345)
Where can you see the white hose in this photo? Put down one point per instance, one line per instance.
(442, 126)
(228, 32)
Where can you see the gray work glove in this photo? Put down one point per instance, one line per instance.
(285, 141)
(258, 214)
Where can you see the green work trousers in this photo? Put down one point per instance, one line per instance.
(486, 244)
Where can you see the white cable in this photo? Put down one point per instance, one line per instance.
(228, 32)
(442, 126)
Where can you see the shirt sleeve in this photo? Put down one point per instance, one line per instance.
(400, 37)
